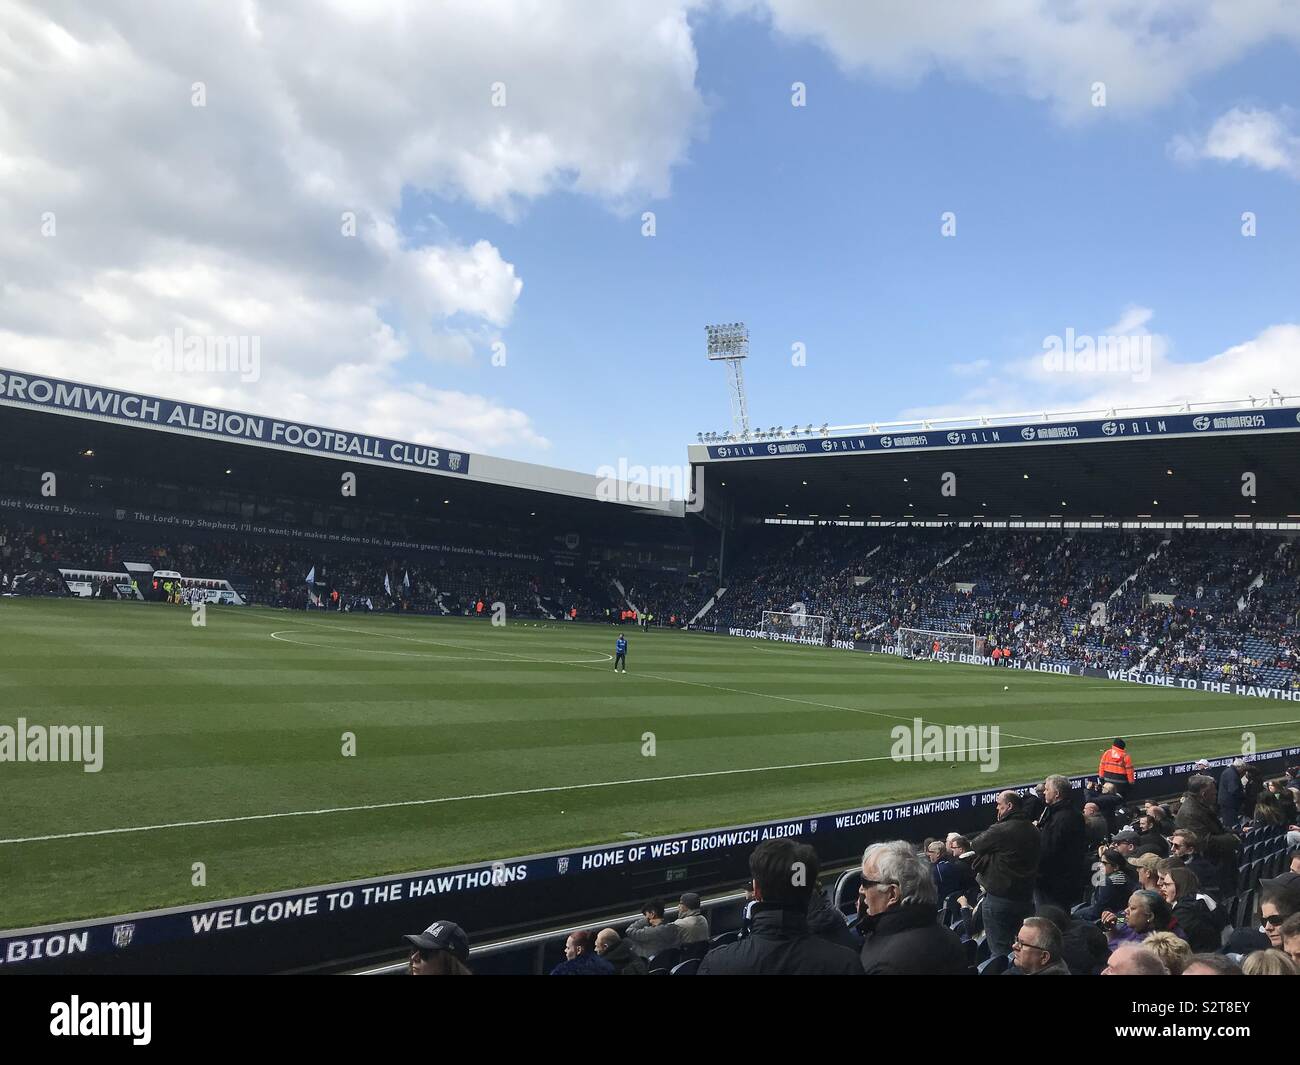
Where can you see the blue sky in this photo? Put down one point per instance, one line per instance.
(821, 225)
(817, 225)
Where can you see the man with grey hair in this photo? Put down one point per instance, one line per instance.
(1038, 949)
(1133, 959)
(899, 919)
(1062, 861)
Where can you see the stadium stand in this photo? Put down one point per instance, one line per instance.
(176, 522)
(839, 911)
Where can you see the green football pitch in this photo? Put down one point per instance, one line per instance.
(227, 744)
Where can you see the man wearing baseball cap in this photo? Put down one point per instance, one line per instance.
(442, 949)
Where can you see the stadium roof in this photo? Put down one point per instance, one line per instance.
(499, 480)
(1169, 467)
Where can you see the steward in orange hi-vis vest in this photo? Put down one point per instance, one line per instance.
(1116, 766)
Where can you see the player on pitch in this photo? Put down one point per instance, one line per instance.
(620, 652)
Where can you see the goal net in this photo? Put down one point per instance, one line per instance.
(794, 625)
(920, 643)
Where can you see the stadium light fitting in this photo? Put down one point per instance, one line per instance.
(446, 501)
(89, 453)
(1169, 472)
(1025, 476)
(227, 471)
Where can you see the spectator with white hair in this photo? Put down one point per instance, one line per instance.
(899, 917)
(1133, 959)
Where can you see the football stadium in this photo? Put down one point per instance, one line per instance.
(687, 488)
(256, 694)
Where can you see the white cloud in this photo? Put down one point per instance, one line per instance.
(227, 219)
(1257, 138)
(1144, 51)
(1026, 383)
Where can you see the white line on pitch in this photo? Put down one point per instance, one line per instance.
(585, 787)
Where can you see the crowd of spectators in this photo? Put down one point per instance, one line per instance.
(1206, 605)
(1037, 893)
(276, 573)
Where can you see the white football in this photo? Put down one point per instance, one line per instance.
(1006, 687)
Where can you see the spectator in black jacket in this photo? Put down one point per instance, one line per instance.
(1150, 839)
(1231, 793)
(1121, 880)
(619, 953)
(1034, 802)
(1202, 925)
(1095, 828)
(1006, 862)
(1109, 801)
(826, 921)
(951, 874)
(581, 959)
(779, 942)
(1062, 857)
(1186, 848)
(1197, 812)
(900, 923)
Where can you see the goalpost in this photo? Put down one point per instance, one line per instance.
(919, 643)
(794, 625)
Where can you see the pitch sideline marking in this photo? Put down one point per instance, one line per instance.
(584, 787)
